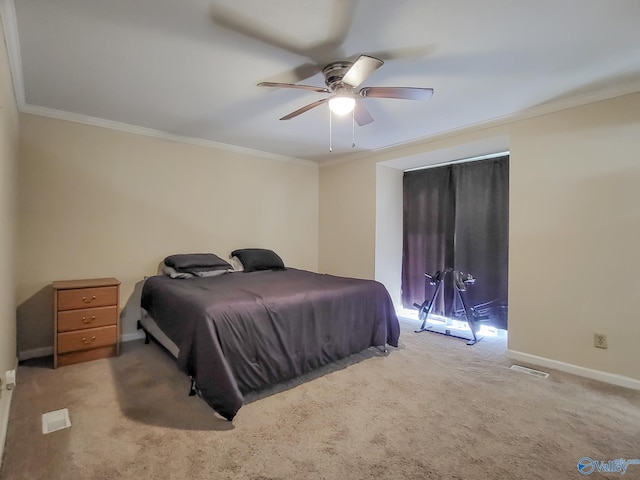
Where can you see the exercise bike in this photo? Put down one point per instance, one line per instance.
(472, 315)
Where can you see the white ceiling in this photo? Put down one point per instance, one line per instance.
(190, 67)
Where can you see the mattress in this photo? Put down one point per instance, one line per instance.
(243, 332)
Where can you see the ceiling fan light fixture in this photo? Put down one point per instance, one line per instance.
(341, 105)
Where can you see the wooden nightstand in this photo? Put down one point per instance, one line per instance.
(86, 324)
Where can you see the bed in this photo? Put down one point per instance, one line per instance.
(243, 331)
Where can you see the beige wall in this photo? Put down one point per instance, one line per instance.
(574, 230)
(347, 219)
(575, 236)
(8, 192)
(96, 202)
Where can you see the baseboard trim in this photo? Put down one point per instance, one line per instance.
(4, 417)
(599, 375)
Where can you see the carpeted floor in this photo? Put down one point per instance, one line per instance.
(433, 409)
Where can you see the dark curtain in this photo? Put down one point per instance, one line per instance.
(456, 216)
(428, 219)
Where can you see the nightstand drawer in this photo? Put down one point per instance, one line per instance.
(87, 297)
(85, 339)
(87, 318)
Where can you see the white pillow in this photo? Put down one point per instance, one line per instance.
(236, 264)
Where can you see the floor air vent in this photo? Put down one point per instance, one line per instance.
(529, 371)
(56, 420)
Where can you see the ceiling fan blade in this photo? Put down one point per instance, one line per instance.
(361, 69)
(260, 31)
(362, 115)
(245, 25)
(405, 93)
(407, 53)
(305, 109)
(293, 85)
(295, 75)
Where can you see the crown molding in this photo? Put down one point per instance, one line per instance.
(10, 26)
(536, 111)
(9, 22)
(150, 132)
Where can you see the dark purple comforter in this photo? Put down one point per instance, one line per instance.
(242, 332)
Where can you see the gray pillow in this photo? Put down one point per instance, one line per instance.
(194, 262)
(173, 273)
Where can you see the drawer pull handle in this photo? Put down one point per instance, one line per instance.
(87, 342)
(85, 320)
(88, 300)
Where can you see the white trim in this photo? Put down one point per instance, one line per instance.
(127, 337)
(9, 21)
(10, 25)
(536, 111)
(12, 40)
(601, 376)
(460, 160)
(35, 353)
(151, 132)
(4, 417)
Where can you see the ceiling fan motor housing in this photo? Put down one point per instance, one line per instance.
(334, 73)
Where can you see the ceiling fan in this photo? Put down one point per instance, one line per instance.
(342, 79)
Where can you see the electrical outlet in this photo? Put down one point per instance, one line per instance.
(599, 340)
(10, 378)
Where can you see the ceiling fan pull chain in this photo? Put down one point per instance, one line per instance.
(330, 146)
(353, 128)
